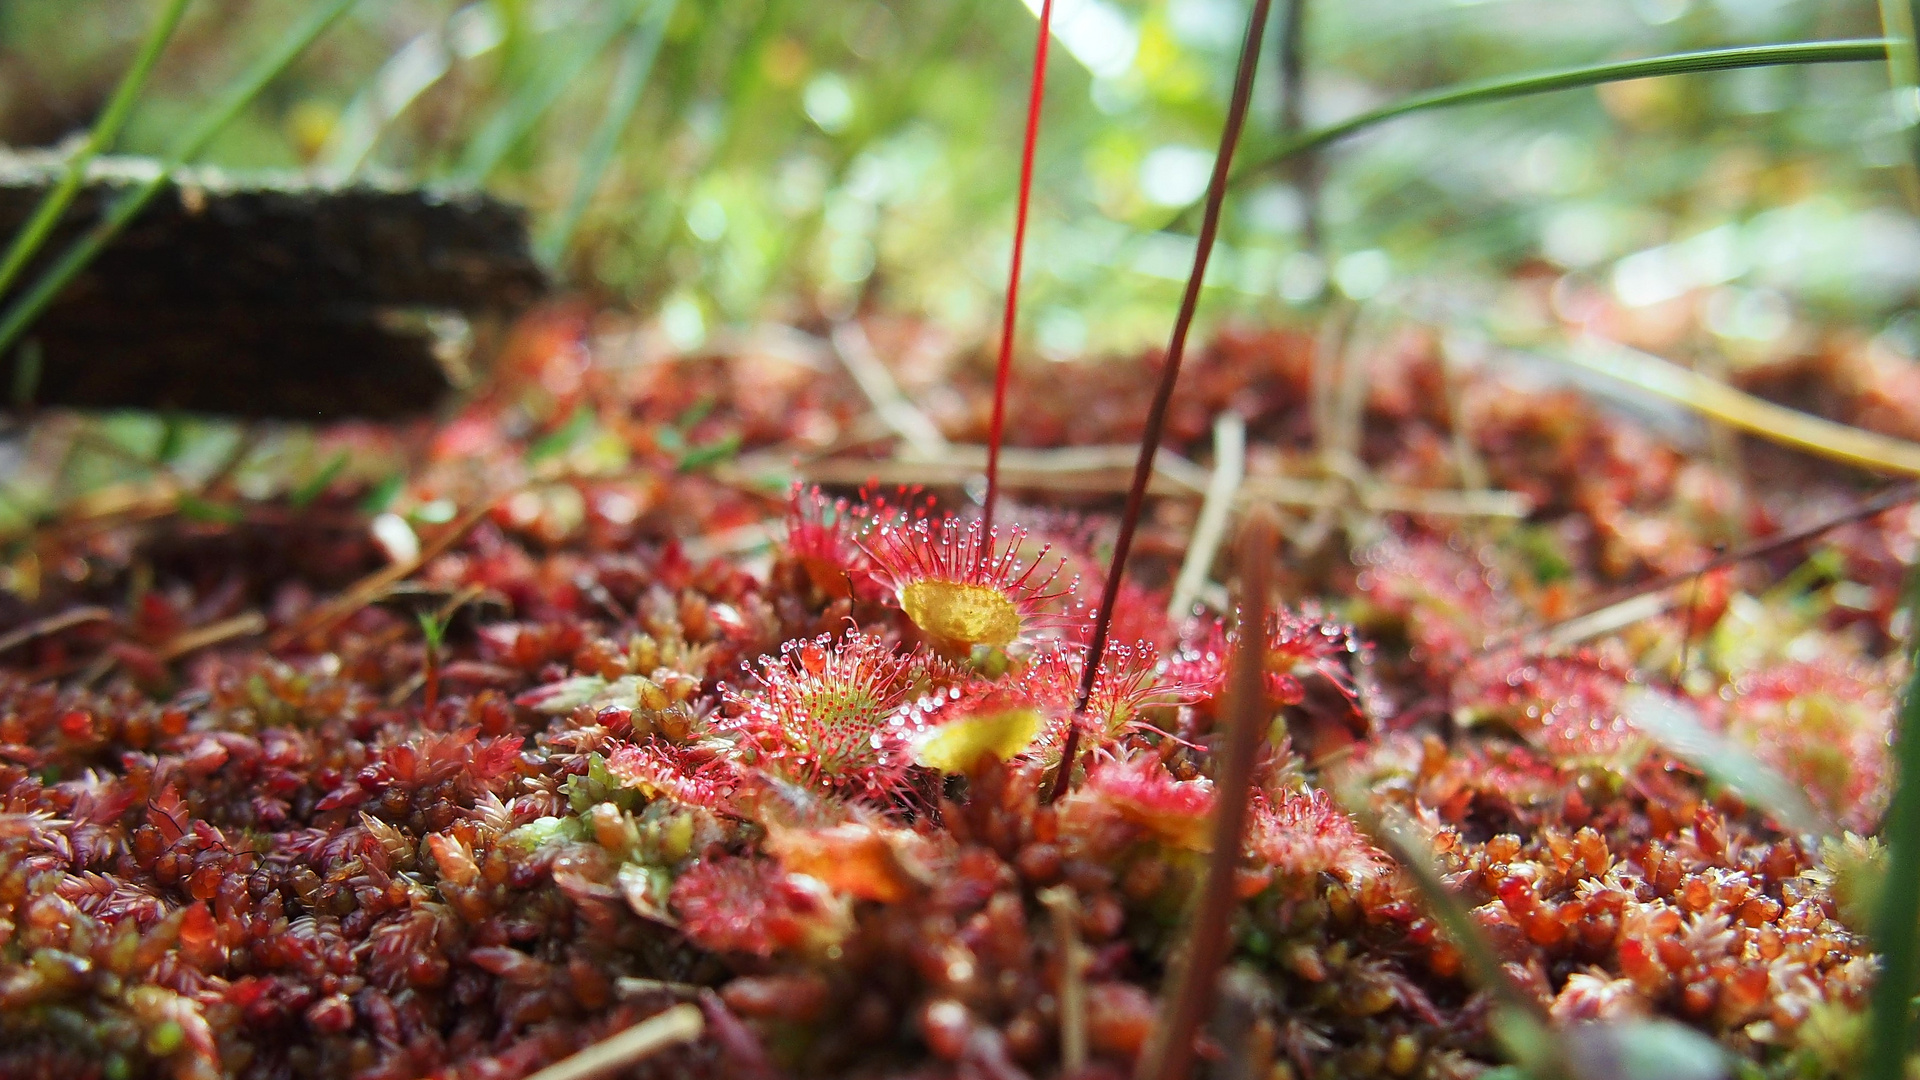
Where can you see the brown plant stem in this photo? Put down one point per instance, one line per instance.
(1897, 495)
(239, 626)
(1169, 1053)
(1163, 394)
(369, 588)
(53, 624)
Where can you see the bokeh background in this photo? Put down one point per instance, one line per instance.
(787, 160)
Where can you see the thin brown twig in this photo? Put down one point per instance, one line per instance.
(1175, 478)
(53, 624)
(1305, 167)
(245, 625)
(369, 588)
(1169, 1054)
(1163, 393)
(1898, 495)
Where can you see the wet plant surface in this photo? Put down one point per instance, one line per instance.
(665, 735)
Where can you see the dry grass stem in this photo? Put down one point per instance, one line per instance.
(1617, 611)
(631, 986)
(375, 585)
(53, 624)
(248, 625)
(919, 431)
(1756, 416)
(680, 1024)
(1216, 511)
(1064, 908)
(1085, 469)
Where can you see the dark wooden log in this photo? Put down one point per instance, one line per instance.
(267, 296)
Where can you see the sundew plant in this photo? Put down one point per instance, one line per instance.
(1057, 539)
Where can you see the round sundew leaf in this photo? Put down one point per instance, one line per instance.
(956, 746)
(956, 611)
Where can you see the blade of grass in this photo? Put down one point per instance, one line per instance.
(26, 374)
(1903, 73)
(1519, 1021)
(1676, 726)
(105, 130)
(316, 485)
(1756, 416)
(470, 31)
(1847, 51)
(1897, 930)
(28, 306)
(629, 81)
(533, 100)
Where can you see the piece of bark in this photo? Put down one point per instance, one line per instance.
(268, 296)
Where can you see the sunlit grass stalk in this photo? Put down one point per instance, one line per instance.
(407, 74)
(529, 102)
(105, 131)
(1754, 415)
(1897, 930)
(1903, 73)
(210, 123)
(1856, 50)
(636, 62)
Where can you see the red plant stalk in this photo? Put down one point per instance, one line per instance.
(430, 697)
(997, 431)
(1169, 1054)
(1163, 394)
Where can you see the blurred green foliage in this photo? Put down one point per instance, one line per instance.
(792, 160)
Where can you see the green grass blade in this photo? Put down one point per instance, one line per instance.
(28, 306)
(105, 130)
(1897, 930)
(1856, 50)
(1903, 73)
(255, 79)
(528, 104)
(1518, 1023)
(1676, 727)
(636, 62)
(470, 32)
